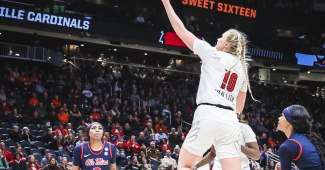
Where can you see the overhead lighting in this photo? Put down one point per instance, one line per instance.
(308, 72)
(302, 37)
(145, 53)
(274, 69)
(115, 49)
(82, 45)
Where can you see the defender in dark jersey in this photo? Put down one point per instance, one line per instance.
(95, 154)
(300, 147)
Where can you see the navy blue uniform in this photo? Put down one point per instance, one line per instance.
(299, 149)
(87, 159)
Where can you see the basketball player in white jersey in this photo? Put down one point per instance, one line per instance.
(249, 148)
(222, 91)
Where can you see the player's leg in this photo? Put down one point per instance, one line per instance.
(187, 160)
(230, 163)
(228, 148)
(199, 139)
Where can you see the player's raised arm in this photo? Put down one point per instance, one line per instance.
(186, 36)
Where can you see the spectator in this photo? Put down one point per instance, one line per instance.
(48, 136)
(127, 130)
(133, 165)
(177, 119)
(75, 115)
(142, 140)
(6, 153)
(69, 128)
(175, 153)
(57, 143)
(15, 134)
(121, 158)
(46, 160)
(56, 101)
(33, 101)
(35, 119)
(85, 107)
(95, 115)
(69, 143)
(18, 163)
(32, 163)
(64, 164)
(3, 161)
(160, 136)
(116, 130)
(141, 155)
(52, 165)
(133, 146)
(60, 129)
(26, 135)
(63, 116)
(161, 126)
(18, 149)
(5, 109)
(152, 152)
(41, 110)
(144, 164)
(149, 128)
(120, 143)
(107, 137)
(173, 138)
(81, 139)
(168, 162)
(163, 147)
(16, 117)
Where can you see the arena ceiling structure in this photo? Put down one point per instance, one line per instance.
(287, 37)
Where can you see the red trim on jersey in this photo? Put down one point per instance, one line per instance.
(101, 150)
(82, 151)
(110, 150)
(300, 149)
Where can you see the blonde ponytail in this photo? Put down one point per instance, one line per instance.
(238, 49)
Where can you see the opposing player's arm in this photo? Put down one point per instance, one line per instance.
(186, 36)
(240, 101)
(112, 166)
(206, 159)
(251, 150)
(77, 158)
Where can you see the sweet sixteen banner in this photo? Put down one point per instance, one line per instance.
(222, 7)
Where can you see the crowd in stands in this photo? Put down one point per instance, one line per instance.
(44, 114)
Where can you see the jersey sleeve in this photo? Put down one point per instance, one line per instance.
(248, 133)
(114, 152)
(204, 50)
(76, 155)
(245, 85)
(286, 153)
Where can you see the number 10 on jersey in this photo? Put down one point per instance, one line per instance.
(229, 81)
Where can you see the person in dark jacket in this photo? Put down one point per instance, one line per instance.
(18, 163)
